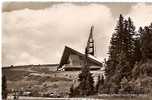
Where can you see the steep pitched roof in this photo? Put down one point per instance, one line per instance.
(68, 51)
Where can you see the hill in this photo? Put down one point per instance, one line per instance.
(43, 79)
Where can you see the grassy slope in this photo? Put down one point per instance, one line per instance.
(41, 79)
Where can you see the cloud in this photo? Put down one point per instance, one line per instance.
(39, 36)
(141, 14)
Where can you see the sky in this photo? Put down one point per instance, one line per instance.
(36, 33)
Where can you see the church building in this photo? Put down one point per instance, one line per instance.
(73, 60)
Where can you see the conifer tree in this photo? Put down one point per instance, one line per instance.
(112, 78)
(122, 48)
(86, 80)
(128, 46)
(102, 80)
(98, 83)
(71, 91)
(137, 46)
(114, 49)
(143, 51)
(4, 87)
(146, 43)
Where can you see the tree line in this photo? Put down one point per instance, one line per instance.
(129, 63)
(128, 50)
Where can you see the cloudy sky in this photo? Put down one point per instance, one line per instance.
(36, 33)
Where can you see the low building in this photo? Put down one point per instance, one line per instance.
(73, 60)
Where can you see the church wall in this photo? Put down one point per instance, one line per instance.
(74, 60)
(75, 63)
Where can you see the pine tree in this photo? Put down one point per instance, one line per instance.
(130, 41)
(128, 47)
(114, 49)
(146, 43)
(137, 46)
(102, 80)
(4, 87)
(86, 80)
(143, 52)
(98, 83)
(122, 48)
(114, 53)
(71, 91)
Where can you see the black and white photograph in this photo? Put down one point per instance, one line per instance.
(76, 50)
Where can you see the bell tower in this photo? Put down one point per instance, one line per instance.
(90, 43)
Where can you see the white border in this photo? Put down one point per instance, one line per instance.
(119, 1)
(104, 1)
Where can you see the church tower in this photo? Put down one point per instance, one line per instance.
(90, 43)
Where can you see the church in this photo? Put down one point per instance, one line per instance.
(73, 60)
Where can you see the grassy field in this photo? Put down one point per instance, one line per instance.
(40, 79)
